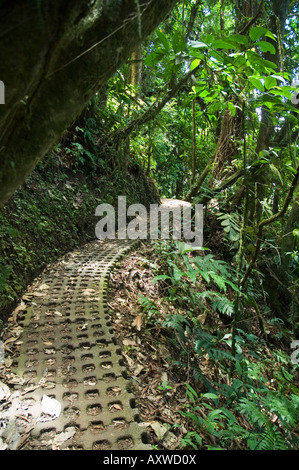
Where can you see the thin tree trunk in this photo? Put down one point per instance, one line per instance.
(269, 221)
(222, 21)
(288, 240)
(266, 130)
(136, 69)
(193, 144)
(194, 191)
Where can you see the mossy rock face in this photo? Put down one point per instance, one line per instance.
(52, 214)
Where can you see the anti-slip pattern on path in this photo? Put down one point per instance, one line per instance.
(69, 379)
(68, 352)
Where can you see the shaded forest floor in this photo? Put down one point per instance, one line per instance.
(146, 350)
(170, 398)
(159, 381)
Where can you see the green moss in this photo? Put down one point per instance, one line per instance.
(53, 213)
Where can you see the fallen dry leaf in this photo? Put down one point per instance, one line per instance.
(49, 351)
(128, 342)
(60, 438)
(138, 322)
(171, 441)
(116, 406)
(138, 369)
(130, 361)
(159, 429)
(4, 391)
(88, 291)
(20, 307)
(10, 340)
(43, 287)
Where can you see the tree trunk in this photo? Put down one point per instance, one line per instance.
(288, 240)
(266, 130)
(195, 189)
(55, 56)
(226, 148)
(134, 80)
(136, 68)
(193, 144)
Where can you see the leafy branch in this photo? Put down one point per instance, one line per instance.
(150, 113)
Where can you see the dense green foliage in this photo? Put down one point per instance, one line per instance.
(241, 396)
(213, 116)
(225, 133)
(207, 107)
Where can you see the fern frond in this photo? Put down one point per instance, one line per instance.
(253, 412)
(272, 440)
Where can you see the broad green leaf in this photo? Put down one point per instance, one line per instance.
(266, 47)
(232, 108)
(204, 93)
(205, 275)
(215, 413)
(219, 281)
(225, 222)
(153, 58)
(270, 82)
(239, 38)
(160, 278)
(257, 32)
(163, 40)
(256, 83)
(178, 42)
(220, 57)
(224, 44)
(239, 61)
(193, 392)
(268, 64)
(237, 384)
(212, 396)
(233, 235)
(281, 92)
(192, 276)
(252, 56)
(214, 107)
(279, 77)
(255, 60)
(186, 248)
(194, 64)
(198, 44)
(276, 172)
(177, 273)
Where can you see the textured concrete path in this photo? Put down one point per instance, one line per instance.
(72, 390)
(69, 354)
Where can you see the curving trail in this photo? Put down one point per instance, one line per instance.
(71, 388)
(69, 353)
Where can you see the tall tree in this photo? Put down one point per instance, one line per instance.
(55, 56)
(277, 21)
